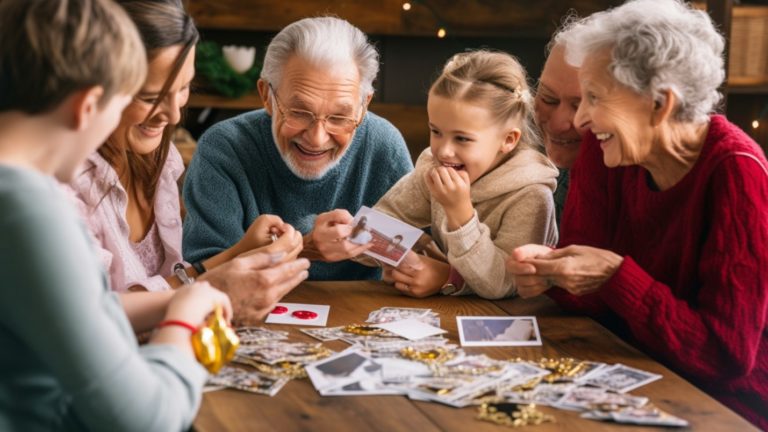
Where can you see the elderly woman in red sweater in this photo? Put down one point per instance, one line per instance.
(665, 229)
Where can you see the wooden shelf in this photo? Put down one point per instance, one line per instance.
(202, 100)
(738, 88)
(487, 18)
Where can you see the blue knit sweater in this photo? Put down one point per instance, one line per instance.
(238, 174)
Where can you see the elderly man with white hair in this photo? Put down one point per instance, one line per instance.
(665, 228)
(314, 147)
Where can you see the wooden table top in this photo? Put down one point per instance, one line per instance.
(299, 407)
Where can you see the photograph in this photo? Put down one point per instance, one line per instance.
(258, 335)
(620, 378)
(325, 334)
(278, 351)
(389, 314)
(648, 416)
(344, 368)
(498, 331)
(250, 381)
(391, 238)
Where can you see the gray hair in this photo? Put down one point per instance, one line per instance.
(322, 41)
(657, 45)
(558, 37)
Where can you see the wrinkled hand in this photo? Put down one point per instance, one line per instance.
(451, 189)
(256, 281)
(260, 232)
(193, 303)
(578, 269)
(528, 282)
(329, 237)
(418, 275)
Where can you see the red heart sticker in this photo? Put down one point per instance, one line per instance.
(304, 314)
(279, 310)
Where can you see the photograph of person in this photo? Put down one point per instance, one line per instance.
(389, 238)
(361, 234)
(393, 250)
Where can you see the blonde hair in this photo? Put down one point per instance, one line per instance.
(50, 49)
(495, 80)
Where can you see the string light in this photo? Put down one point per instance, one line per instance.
(763, 113)
(442, 29)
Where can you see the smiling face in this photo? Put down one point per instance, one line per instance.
(621, 118)
(467, 137)
(143, 135)
(556, 102)
(311, 151)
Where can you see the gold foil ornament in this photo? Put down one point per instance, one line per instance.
(215, 343)
(512, 415)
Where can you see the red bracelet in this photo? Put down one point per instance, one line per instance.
(184, 324)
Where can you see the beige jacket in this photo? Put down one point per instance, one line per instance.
(513, 206)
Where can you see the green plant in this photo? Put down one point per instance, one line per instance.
(211, 65)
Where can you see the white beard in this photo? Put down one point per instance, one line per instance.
(297, 171)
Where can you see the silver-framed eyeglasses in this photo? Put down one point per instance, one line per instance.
(303, 119)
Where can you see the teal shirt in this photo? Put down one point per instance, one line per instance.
(69, 358)
(237, 174)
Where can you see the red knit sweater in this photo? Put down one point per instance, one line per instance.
(693, 286)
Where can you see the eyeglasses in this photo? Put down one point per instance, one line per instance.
(302, 119)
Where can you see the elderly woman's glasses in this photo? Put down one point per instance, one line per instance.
(302, 119)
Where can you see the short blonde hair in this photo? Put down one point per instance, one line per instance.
(495, 80)
(50, 49)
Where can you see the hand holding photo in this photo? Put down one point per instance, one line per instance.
(299, 314)
(391, 238)
(498, 331)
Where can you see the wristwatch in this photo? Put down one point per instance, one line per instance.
(455, 283)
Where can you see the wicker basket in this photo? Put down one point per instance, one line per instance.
(748, 54)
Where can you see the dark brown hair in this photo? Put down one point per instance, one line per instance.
(50, 49)
(161, 24)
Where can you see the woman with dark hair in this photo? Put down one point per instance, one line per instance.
(70, 361)
(128, 192)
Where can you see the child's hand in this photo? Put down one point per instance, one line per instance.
(419, 275)
(260, 232)
(451, 189)
(289, 243)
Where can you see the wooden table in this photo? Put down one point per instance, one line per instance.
(298, 407)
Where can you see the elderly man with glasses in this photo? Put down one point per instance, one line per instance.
(314, 147)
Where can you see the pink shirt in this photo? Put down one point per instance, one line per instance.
(102, 202)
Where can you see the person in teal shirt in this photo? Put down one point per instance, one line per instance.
(314, 147)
